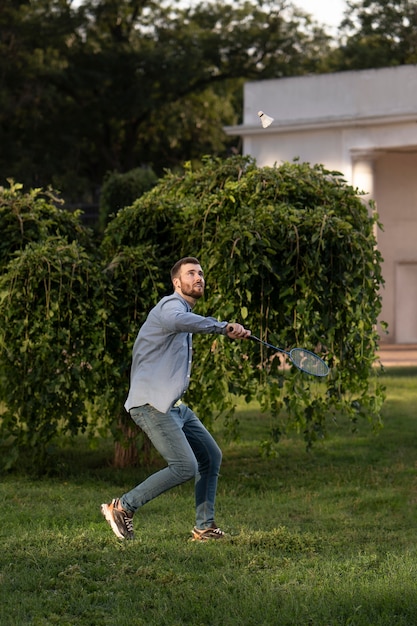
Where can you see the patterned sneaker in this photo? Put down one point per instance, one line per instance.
(213, 532)
(121, 521)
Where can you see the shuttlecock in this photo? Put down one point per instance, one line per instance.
(265, 119)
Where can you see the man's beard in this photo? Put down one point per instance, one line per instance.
(192, 292)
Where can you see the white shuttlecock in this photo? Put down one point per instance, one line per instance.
(266, 120)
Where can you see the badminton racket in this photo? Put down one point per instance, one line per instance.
(305, 360)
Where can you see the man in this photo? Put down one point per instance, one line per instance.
(160, 375)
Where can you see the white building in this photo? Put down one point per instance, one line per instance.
(363, 124)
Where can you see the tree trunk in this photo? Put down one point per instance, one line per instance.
(133, 448)
(126, 453)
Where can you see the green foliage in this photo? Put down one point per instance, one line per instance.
(51, 330)
(102, 86)
(148, 221)
(121, 190)
(376, 33)
(34, 216)
(67, 327)
(98, 85)
(290, 252)
(320, 539)
(133, 282)
(50, 346)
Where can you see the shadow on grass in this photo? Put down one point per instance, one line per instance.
(399, 372)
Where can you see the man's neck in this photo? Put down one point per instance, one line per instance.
(189, 299)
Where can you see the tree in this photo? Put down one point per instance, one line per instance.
(289, 249)
(121, 190)
(35, 40)
(64, 357)
(50, 347)
(113, 85)
(34, 216)
(377, 33)
(52, 331)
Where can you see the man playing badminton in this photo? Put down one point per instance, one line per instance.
(160, 375)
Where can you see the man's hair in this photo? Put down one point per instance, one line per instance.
(177, 267)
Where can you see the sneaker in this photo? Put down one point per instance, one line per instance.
(121, 521)
(203, 534)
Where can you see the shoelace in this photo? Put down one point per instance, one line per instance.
(128, 522)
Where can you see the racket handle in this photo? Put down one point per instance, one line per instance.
(230, 330)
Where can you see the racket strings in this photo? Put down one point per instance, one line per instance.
(308, 362)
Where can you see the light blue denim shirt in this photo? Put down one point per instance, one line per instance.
(162, 353)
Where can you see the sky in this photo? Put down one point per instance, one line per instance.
(329, 12)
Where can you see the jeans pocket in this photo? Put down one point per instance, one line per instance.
(144, 415)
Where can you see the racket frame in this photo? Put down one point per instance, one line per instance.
(289, 355)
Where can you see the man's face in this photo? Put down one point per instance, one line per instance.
(190, 281)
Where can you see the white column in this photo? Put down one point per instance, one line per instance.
(363, 173)
(363, 179)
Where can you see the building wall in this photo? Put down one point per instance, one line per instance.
(396, 199)
(364, 125)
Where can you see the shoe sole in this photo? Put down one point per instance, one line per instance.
(109, 518)
(197, 537)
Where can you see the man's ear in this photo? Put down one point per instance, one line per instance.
(176, 282)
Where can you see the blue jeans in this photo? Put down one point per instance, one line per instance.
(190, 451)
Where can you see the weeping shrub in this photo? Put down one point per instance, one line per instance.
(290, 251)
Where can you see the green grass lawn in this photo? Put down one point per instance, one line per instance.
(314, 539)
